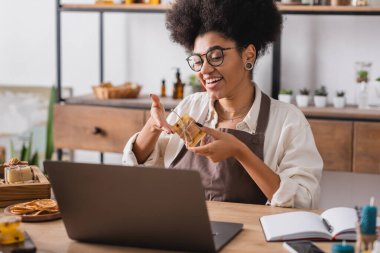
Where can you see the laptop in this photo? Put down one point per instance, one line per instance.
(136, 206)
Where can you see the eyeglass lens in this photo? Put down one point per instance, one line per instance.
(214, 57)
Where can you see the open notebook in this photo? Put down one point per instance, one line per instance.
(334, 224)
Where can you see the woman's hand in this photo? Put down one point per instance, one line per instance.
(157, 112)
(218, 146)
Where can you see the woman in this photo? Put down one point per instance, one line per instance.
(257, 150)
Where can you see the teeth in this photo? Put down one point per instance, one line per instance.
(213, 80)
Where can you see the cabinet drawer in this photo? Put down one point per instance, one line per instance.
(366, 147)
(102, 129)
(334, 143)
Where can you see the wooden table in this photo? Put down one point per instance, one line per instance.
(51, 236)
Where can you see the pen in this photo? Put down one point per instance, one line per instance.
(327, 225)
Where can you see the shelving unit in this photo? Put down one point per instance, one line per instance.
(146, 8)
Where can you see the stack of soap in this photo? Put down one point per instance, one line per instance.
(188, 130)
(18, 174)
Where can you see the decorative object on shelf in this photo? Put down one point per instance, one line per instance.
(285, 95)
(320, 97)
(163, 88)
(178, 86)
(362, 78)
(104, 2)
(359, 2)
(302, 99)
(291, 2)
(340, 2)
(366, 230)
(194, 83)
(339, 100)
(377, 86)
(108, 91)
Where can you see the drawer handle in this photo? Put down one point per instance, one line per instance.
(98, 131)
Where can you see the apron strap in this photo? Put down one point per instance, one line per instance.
(262, 121)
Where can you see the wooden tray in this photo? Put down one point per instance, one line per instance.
(17, 193)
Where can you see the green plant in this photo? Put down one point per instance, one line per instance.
(378, 79)
(321, 91)
(304, 91)
(286, 92)
(193, 80)
(26, 152)
(340, 93)
(49, 125)
(362, 76)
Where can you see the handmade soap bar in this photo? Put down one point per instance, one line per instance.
(18, 174)
(9, 230)
(187, 130)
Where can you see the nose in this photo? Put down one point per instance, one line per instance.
(206, 68)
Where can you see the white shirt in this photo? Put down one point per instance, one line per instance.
(289, 147)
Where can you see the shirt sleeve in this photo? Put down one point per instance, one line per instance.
(156, 158)
(300, 171)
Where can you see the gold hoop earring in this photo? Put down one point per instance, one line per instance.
(248, 65)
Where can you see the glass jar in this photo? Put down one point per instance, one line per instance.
(362, 77)
(362, 96)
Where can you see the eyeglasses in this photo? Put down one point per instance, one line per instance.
(214, 56)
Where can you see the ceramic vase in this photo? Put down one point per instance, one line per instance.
(302, 100)
(339, 102)
(285, 98)
(320, 101)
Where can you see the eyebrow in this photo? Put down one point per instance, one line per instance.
(208, 50)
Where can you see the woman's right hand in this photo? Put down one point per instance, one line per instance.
(157, 112)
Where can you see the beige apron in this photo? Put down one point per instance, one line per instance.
(228, 180)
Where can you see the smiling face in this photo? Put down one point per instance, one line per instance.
(230, 78)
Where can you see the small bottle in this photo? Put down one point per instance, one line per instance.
(163, 88)
(178, 85)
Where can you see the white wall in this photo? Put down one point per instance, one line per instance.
(316, 50)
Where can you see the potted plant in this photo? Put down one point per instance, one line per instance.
(285, 95)
(302, 99)
(320, 97)
(339, 99)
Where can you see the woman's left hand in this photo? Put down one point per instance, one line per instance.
(219, 147)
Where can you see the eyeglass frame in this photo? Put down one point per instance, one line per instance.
(222, 49)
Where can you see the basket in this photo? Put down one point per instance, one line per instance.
(122, 91)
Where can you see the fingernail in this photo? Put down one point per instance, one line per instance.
(199, 124)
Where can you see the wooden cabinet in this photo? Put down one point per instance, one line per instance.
(348, 145)
(366, 147)
(104, 129)
(334, 142)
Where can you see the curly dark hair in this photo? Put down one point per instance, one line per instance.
(256, 22)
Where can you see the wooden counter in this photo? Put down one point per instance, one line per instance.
(52, 237)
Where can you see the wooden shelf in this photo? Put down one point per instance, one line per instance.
(326, 9)
(285, 9)
(159, 8)
(347, 113)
